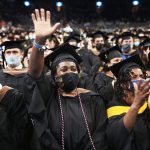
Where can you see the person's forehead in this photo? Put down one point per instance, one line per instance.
(130, 38)
(135, 70)
(66, 64)
(12, 49)
(99, 38)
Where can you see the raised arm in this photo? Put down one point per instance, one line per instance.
(141, 94)
(43, 29)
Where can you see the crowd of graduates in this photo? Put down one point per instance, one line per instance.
(74, 89)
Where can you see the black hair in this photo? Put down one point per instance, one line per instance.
(124, 83)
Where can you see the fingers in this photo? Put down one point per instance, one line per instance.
(141, 85)
(43, 18)
(48, 16)
(33, 18)
(37, 15)
(55, 27)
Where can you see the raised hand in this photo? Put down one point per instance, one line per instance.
(42, 25)
(141, 92)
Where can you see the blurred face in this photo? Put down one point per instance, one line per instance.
(73, 42)
(115, 60)
(13, 57)
(145, 52)
(137, 74)
(99, 40)
(127, 41)
(66, 67)
(13, 51)
(50, 44)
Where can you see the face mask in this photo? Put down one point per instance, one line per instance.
(136, 44)
(68, 81)
(99, 47)
(137, 81)
(13, 61)
(126, 48)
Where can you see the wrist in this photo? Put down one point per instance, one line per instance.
(38, 46)
(135, 106)
(40, 40)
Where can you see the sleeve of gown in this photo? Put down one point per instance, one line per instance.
(38, 112)
(117, 135)
(106, 91)
(99, 134)
(17, 122)
(15, 106)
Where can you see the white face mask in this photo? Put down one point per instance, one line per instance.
(13, 61)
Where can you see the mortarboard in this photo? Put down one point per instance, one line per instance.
(97, 34)
(13, 44)
(72, 37)
(133, 61)
(60, 53)
(146, 42)
(110, 53)
(126, 35)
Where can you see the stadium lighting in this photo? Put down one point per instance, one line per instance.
(135, 2)
(59, 4)
(26, 3)
(99, 3)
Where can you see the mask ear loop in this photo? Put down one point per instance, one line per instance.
(84, 116)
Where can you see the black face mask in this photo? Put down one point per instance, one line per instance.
(99, 47)
(68, 81)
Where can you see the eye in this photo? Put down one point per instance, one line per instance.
(74, 69)
(15, 52)
(64, 69)
(8, 52)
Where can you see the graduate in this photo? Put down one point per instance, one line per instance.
(64, 116)
(91, 59)
(128, 113)
(13, 73)
(127, 44)
(15, 125)
(104, 80)
(145, 54)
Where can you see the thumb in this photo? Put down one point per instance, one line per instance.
(55, 27)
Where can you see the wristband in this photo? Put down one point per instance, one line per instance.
(41, 48)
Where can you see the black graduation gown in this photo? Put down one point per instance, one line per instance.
(13, 80)
(90, 61)
(15, 127)
(120, 139)
(85, 81)
(103, 85)
(45, 114)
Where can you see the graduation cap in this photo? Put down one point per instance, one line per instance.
(60, 53)
(133, 61)
(146, 42)
(110, 53)
(75, 37)
(126, 35)
(97, 34)
(13, 44)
